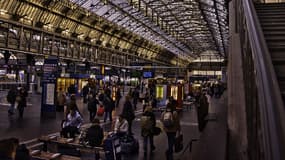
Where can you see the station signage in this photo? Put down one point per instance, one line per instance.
(49, 87)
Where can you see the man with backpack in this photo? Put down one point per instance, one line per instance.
(147, 126)
(11, 98)
(171, 125)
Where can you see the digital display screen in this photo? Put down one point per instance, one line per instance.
(148, 74)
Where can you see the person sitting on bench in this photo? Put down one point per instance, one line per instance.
(72, 124)
(121, 126)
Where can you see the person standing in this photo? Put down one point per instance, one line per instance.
(136, 96)
(94, 136)
(128, 113)
(71, 89)
(148, 123)
(202, 111)
(171, 125)
(92, 106)
(85, 92)
(109, 105)
(72, 124)
(118, 96)
(22, 103)
(11, 98)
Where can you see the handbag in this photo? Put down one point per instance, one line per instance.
(100, 111)
(178, 146)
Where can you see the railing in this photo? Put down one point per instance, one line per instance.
(270, 104)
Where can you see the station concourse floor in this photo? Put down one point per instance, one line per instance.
(33, 126)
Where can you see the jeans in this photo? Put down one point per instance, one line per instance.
(130, 122)
(92, 115)
(21, 111)
(145, 142)
(117, 102)
(97, 155)
(171, 141)
(11, 109)
(108, 113)
(135, 102)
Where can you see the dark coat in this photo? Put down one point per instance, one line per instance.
(108, 103)
(3, 157)
(128, 111)
(145, 132)
(11, 97)
(94, 135)
(92, 104)
(23, 101)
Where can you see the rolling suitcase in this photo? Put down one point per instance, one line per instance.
(112, 147)
(129, 144)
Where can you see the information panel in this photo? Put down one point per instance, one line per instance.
(49, 87)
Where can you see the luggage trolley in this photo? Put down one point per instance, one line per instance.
(112, 147)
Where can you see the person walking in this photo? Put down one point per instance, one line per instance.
(118, 97)
(22, 101)
(109, 105)
(128, 113)
(148, 123)
(171, 125)
(202, 111)
(11, 98)
(136, 95)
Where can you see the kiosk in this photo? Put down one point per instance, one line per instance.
(177, 92)
(161, 95)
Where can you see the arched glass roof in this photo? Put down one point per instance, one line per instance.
(184, 27)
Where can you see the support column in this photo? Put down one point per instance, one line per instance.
(237, 122)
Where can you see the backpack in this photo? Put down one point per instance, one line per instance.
(11, 97)
(168, 119)
(146, 122)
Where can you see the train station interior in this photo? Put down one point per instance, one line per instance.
(142, 79)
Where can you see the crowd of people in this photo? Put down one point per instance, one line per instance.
(123, 124)
(97, 101)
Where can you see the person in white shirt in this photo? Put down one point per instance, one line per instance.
(121, 126)
(72, 124)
